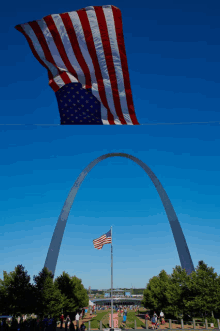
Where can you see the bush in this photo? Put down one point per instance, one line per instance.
(211, 320)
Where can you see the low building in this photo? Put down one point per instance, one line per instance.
(118, 301)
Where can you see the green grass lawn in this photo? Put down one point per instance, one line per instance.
(129, 322)
(95, 321)
(131, 318)
(104, 317)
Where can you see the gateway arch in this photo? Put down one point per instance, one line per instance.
(182, 248)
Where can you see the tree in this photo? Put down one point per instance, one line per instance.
(204, 290)
(48, 298)
(188, 295)
(154, 296)
(74, 293)
(5, 306)
(216, 309)
(16, 292)
(177, 292)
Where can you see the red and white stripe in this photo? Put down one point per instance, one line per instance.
(98, 243)
(86, 46)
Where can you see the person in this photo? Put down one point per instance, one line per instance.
(156, 317)
(45, 321)
(147, 317)
(50, 324)
(83, 327)
(77, 321)
(61, 321)
(153, 322)
(161, 315)
(68, 320)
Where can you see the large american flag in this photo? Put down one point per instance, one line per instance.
(84, 54)
(105, 239)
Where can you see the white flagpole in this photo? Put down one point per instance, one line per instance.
(112, 327)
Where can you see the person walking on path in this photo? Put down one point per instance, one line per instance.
(156, 317)
(65, 325)
(124, 318)
(50, 324)
(147, 317)
(153, 322)
(161, 315)
(45, 321)
(157, 325)
(68, 320)
(77, 321)
(61, 321)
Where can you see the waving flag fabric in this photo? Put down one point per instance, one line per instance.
(105, 239)
(84, 54)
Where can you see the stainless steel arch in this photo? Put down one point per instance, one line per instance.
(182, 248)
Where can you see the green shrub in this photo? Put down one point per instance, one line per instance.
(211, 320)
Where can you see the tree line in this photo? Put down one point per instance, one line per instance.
(18, 296)
(184, 296)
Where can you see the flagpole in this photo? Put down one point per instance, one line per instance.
(112, 327)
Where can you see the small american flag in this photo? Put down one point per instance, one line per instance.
(105, 239)
(84, 54)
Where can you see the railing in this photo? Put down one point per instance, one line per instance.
(148, 325)
(205, 325)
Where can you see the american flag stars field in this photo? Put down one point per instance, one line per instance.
(77, 105)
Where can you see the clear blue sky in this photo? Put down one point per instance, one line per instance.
(173, 52)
